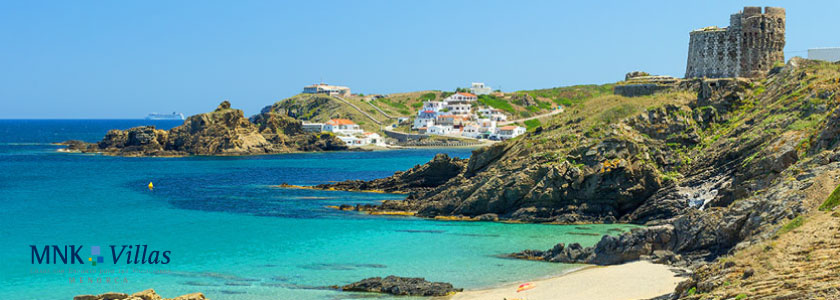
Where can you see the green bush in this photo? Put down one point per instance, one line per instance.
(531, 124)
(496, 103)
(793, 224)
(832, 201)
(741, 297)
(428, 97)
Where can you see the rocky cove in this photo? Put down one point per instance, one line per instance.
(711, 166)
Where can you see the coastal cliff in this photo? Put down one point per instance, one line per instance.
(713, 166)
(224, 131)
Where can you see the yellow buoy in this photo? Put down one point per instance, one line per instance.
(151, 186)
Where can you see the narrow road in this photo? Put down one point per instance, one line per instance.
(553, 112)
(359, 109)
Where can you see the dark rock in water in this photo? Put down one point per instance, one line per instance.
(402, 286)
(224, 131)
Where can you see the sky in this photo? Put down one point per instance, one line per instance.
(124, 59)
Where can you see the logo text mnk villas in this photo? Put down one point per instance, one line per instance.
(70, 254)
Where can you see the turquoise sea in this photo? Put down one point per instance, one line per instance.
(231, 235)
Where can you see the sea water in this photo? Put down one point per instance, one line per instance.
(230, 232)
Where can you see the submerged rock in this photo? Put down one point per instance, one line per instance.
(401, 286)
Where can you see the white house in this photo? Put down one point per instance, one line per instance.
(439, 129)
(423, 123)
(492, 114)
(433, 105)
(479, 88)
(472, 130)
(367, 138)
(425, 118)
(461, 97)
(458, 108)
(826, 54)
(486, 125)
(322, 88)
(342, 127)
(374, 139)
(509, 132)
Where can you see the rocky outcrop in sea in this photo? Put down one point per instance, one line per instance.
(224, 131)
(423, 177)
(149, 294)
(402, 286)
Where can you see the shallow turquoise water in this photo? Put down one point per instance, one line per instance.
(232, 235)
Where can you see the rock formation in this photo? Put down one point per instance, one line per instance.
(224, 131)
(402, 286)
(142, 295)
(436, 172)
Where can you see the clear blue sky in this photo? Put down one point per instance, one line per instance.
(124, 59)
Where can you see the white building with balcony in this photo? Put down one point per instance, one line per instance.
(322, 88)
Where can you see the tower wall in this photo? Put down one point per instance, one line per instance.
(713, 53)
(749, 47)
(763, 41)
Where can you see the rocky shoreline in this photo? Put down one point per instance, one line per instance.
(224, 131)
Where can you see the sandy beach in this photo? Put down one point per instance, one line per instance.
(636, 280)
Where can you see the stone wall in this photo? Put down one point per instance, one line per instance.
(641, 89)
(714, 52)
(749, 47)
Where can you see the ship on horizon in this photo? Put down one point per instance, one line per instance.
(172, 116)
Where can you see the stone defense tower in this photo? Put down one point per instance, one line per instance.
(749, 47)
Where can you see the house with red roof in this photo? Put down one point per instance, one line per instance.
(342, 127)
(461, 97)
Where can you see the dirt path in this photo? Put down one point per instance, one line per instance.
(553, 112)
